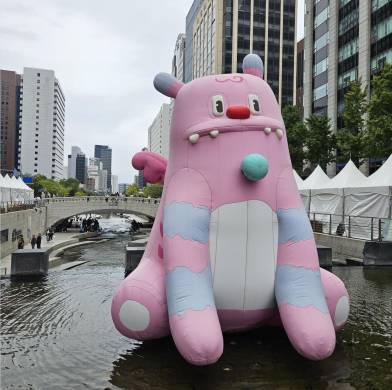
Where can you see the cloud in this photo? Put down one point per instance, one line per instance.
(105, 55)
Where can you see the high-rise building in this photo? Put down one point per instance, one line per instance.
(114, 184)
(104, 153)
(178, 63)
(141, 182)
(159, 131)
(93, 169)
(300, 74)
(122, 188)
(225, 31)
(344, 41)
(81, 168)
(42, 116)
(9, 119)
(75, 150)
(190, 19)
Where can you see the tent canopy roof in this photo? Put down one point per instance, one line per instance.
(317, 179)
(382, 177)
(349, 176)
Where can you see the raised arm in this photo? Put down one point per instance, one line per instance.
(298, 287)
(152, 164)
(193, 317)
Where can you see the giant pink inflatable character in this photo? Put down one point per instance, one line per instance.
(231, 247)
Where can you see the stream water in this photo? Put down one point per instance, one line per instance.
(57, 333)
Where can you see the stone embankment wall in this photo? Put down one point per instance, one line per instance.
(26, 222)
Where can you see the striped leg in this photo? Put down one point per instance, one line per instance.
(139, 308)
(298, 287)
(193, 318)
(337, 298)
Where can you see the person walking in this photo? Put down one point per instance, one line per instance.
(21, 242)
(33, 241)
(39, 239)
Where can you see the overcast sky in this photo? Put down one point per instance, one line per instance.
(105, 56)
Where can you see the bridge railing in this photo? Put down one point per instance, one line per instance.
(107, 199)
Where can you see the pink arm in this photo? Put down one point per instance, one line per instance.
(152, 164)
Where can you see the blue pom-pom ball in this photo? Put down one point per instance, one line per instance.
(254, 166)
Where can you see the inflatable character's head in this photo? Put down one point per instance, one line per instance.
(208, 107)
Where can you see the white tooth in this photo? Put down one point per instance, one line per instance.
(193, 138)
(267, 130)
(214, 133)
(279, 133)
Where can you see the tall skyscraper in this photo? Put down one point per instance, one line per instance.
(9, 119)
(224, 31)
(42, 116)
(81, 168)
(344, 41)
(75, 150)
(114, 184)
(178, 63)
(300, 75)
(159, 131)
(104, 153)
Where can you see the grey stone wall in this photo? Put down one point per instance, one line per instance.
(26, 222)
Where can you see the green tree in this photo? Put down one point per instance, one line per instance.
(351, 140)
(379, 124)
(132, 190)
(320, 143)
(153, 191)
(71, 184)
(296, 135)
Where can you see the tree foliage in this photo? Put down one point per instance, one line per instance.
(132, 190)
(296, 135)
(68, 187)
(351, 140)
(320, 143)
(379, 125)
(153, 191)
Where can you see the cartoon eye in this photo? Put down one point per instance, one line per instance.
(217, 105)
(254, 104)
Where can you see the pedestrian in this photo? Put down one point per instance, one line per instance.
(20, 242)
(33, 241)
(39, 239)
(51, 234)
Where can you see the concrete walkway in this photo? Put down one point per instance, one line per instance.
(60, 241)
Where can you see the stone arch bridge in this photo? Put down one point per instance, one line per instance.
(58, 209)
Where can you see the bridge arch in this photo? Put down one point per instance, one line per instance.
(58, 209)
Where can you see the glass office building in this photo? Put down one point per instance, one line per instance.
(345, 40)
(222, 32)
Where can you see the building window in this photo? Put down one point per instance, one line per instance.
(320, 67)
(320, 92)
(382, 29)
(348, 50)
(346, 78)
(38, 74)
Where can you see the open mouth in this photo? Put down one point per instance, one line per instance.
(213, 128)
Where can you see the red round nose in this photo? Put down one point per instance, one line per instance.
(238, 112)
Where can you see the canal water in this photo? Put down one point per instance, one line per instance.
(58, 334)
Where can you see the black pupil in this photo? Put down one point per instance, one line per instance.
(256, 105)
(219, 106)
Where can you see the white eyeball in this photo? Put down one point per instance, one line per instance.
(254, 104)
(218, 107)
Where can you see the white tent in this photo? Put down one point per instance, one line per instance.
(297, 178)
(371, 198)
(329, 198)
(14, 190)
(316, 179)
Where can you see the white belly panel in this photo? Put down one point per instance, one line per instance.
(243, 248)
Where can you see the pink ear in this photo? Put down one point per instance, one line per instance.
(252, 64)
(167, 84)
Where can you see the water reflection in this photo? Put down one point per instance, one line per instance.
(58, 333)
